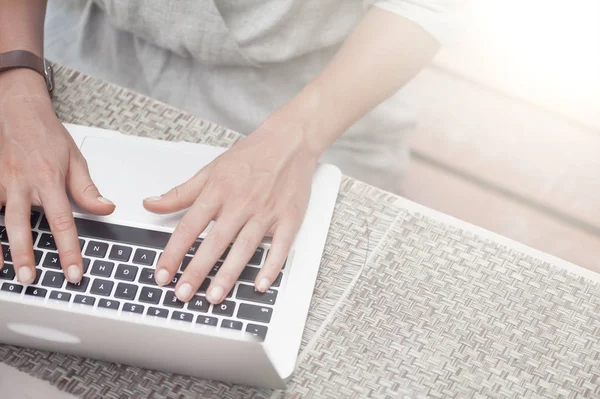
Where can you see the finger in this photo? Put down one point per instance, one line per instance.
(84, 191)
(210, 251)
(242, 250)
(193, 223)
(281, 244)
(178, 198)
(60, 218)
(18, 226)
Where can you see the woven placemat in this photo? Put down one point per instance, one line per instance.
(404, 305)
(440, 312)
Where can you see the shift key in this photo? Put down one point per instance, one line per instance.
(248, 293)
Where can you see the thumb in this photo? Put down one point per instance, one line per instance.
(178, 198)
(84, 191)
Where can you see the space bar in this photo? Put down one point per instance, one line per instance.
(118, 233)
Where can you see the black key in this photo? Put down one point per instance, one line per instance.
(60, 296)
(147, 276)
(204, 286)
(215, 269)
(96, 249)
(120, 253)
(53, 279)
(80, 286)
(277, 281)
(84, 300)
(172, 301)
(185, 263)
(81, 244)
(4, 235)
(174, 280)
(249, 275)
(158, 312)
(6, 253)
(255, 313)
(7, 272)
(182, 316)
(35, 291)
(133, 308)
(207, 321)
(109, 304)
(47, 242)
(195, 246)
(126, 272)
(35, 215)
(52, 261)
(225, 253)
(150, 295)
(38, 274)
(102, 268)
(34, 236)
(37, 255)
(10, 287)
(248, 293)
(225, 308)
(102, 287)
(86, 264)
(117, 233)
(257, 331)
(231, 324)
(144, 257)
(126, 291)
(198, 304)
(257, 257)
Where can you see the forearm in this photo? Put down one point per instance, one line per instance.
(382, 54)
(22, 25)
(22, 28)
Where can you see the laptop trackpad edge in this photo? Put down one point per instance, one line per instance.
(128, 169)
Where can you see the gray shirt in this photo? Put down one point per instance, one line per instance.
(235, 62)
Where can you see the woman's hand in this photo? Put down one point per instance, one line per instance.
(260, 187)
(39, 162)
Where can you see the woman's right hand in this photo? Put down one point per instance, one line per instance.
(39, 162)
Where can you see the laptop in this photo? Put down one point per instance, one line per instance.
(251, 338)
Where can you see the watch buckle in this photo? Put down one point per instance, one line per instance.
(49, 75)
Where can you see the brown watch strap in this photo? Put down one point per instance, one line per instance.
(26, 59)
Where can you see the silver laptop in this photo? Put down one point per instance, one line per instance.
(118, 313)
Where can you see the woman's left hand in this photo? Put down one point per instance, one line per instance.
(260, 187)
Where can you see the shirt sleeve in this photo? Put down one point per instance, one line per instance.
(440, 18)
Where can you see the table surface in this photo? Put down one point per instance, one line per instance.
(408, 302)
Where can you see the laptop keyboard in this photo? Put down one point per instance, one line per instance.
(119, 264)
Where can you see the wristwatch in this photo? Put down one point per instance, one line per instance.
(26, 59)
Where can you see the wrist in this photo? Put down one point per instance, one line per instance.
(22, 81)
(307, 117)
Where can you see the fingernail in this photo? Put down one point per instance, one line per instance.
(74, 274)
(263, 284)
(184, 292)
(155, 198)
(105, 201)
(215, 294)
(162, 277)
(25, 275)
